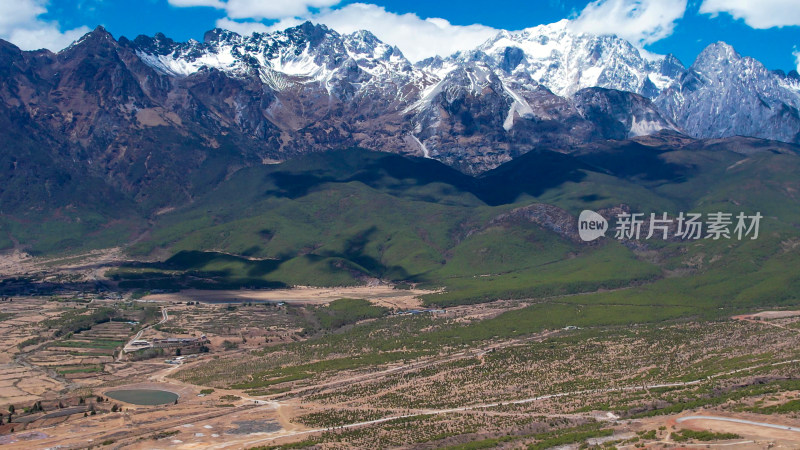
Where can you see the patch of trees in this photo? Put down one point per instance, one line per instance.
(685, 435)
(76, 321)
(148, 353)
(347, 311)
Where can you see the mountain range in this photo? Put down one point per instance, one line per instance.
(150, 124)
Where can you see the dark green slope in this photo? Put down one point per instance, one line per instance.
(344, 217)
(351, 216)
(332, 218)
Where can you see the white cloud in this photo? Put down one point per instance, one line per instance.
(757, 14)
(20, 25)
(417, 38)
(259, 9)
(189, 3)
(796, 54)
(243, 28)
(641, 22)
(46, 36)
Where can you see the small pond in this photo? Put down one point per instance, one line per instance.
(143, 396)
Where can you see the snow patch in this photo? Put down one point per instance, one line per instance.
(273, 79)
(425, 152)
(181, 67)
(520, 106)
(661, 82)
(645, 127)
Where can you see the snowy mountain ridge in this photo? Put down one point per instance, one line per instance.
(528, 79)
(308, 89)
(554, 56)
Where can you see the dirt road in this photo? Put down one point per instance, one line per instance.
(742, 421)
(128, 347)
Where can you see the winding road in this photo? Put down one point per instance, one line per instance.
(742, 421)
(164, 318)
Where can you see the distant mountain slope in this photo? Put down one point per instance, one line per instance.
(566, 61)
(552, 57)
(354, 216)
(109, 130)
(239, 101)
(269, 97)
(724, 94)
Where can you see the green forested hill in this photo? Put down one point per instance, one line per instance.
(344, 217)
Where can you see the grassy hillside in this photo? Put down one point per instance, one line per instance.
(342, 217)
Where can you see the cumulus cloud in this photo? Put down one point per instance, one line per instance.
(641, 22)
(796, 54)
(259, 9)
(188, 3)
(416, 37)
(21, 25)
(761, 14)
(243, 28)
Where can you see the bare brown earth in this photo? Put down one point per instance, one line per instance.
(15, 263)
(466, 392)
(83, 267)
(755, 433)
(380, 295)
(769, 315)
(21, 382)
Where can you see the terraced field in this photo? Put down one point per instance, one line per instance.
(84, 355)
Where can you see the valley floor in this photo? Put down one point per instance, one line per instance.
(383, 295)
(425, 380)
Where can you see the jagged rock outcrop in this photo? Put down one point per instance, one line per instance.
(724, 94)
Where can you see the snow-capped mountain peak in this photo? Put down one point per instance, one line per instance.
(545, 84)
(302, 54)
(566, 61)
(724, 94)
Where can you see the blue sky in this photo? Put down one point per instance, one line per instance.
(768, 30)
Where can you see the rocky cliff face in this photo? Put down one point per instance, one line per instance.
(724, 94)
